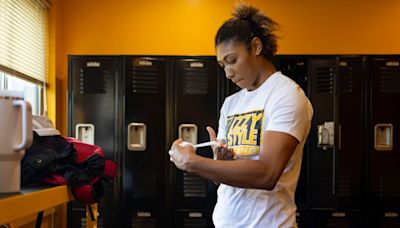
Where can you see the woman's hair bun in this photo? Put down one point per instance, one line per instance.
(246, 12)
(255, 17)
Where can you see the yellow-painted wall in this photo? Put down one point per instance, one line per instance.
(187, 27)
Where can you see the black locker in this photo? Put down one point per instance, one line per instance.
(296, 67)
(196, 100)
(322, 151)
(144, 142)
(351, 135)
(337, 134)
(93, 111)
(383, 128)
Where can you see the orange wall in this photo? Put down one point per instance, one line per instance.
(187, 27)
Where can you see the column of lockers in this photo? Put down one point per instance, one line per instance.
(145, 183)
(337, 154)
(196, 98)
(133, 107)
(93, 108)
(383, 144)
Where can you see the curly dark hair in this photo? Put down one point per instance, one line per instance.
(249, 22)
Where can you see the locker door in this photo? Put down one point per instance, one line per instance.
(384, 124)
(93, 111)
(322, 155)
(144, 141)
(350, 145)
(196, 105)
(296, 67)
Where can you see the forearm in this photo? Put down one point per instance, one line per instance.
(238, 173)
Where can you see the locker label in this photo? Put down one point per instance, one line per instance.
(144, 214)
(145, 63)
(393, 63)
(391, 215)
(197, 64)
(195, 215)
(93, 64)
(339, 214)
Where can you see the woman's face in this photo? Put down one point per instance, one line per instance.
(239, 63)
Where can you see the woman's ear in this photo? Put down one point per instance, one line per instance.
(256, 46)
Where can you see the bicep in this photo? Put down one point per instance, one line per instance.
(276, 151)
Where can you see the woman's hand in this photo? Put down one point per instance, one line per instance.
(221, 151)
(181, 154)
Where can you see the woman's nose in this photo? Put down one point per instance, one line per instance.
(228, 73)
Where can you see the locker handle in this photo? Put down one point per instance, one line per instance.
(326, 135)
(188, 133)
(383, 137)
(137, 136)
(85, 133)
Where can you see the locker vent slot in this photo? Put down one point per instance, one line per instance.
(321, 188)
(195, 82)
(324, 80)
(338, 223)
(344, 184)
(144, 185)
(389, 184)
(390, 80)
(194, 186)
(144, 223)
(194, 223)
(93, 80)
(346, 80)
(145, 81)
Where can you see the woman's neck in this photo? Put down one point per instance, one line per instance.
(267, 69)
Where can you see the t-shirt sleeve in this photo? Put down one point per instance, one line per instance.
(222, 121)
(291, 112)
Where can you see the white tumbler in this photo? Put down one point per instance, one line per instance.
(15, 137)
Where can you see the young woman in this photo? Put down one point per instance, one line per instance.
(265, 124)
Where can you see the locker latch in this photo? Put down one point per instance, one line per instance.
(188, 133)
(326, 135)
(136, 137)
(85, 133)
(383, 137)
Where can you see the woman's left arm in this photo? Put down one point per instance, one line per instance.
(261, 174)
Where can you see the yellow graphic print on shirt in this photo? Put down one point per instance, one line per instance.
(244, 133)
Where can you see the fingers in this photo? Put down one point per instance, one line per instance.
(211, 133)
(176, 143)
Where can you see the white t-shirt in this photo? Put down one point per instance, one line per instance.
(279, 104)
